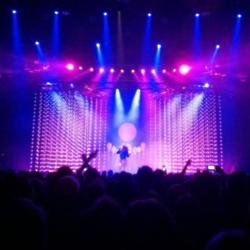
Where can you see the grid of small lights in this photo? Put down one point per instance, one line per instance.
(179, 126)
(182, 127)
(65, 125)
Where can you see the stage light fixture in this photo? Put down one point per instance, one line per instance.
(239, 16)
(143, 71)
(217, 46)
(158, 46)
(56, 12)
(37, 43)
(164, 71)
(91, 69)
(184, 69)
(153, 71)
(105, 13)
(112, 70)
(206, 85)
(70, 66)
(149, 14)
(80, 68)
(98, 45)
(122, 71)
(132, 71)
(197, 14)
(14, 12)
(101, 70)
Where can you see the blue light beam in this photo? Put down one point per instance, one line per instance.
(216, 50)
(236, 37)
(134, 112)
(56, 34)
(119, 108)
(107, 48)
(157, 59)
(16, 38)
(197, 36)
(41, 55)
(147, 40)
(99, 55)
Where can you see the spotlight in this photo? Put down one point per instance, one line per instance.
(217, 46)
(37, 43)
(72, 85)
(132, 71)
(184, 69)
(56, 12)
(197, 14)
(112, 70)
(80, 68)
(164, 71)
(239, 16)
(143, 71)
(206, 85)
(122, 71)
(105, 13)
(91, 69)
(174, 70)
(149, 14)
(48, 84)
(158, 46)
(153, 71)
(45, 67)
(98, 45)
(14, 12)
(101, 70)
(70, 66)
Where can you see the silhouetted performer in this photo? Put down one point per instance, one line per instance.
(124, 154)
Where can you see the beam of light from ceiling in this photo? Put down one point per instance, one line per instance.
(56, 34)
(197, 36)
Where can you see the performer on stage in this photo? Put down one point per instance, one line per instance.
(124, 154)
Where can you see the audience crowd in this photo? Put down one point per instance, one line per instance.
(148, 210)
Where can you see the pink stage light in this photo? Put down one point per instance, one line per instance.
(122, 71)
(127, 132)
(80, 68)
(132, 71)
(70, 66)
(101, 70)
(143, 71)
(164, 71)
(112, 70)
(153, 71)
(91, 69)
(184, 69)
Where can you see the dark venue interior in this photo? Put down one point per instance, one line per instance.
(125, 124)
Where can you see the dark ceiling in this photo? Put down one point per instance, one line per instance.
(81, 28)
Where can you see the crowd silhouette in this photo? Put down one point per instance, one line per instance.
(147, 210)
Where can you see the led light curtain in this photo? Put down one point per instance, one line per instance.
(182, 127)
(65, 125)
(178, 127)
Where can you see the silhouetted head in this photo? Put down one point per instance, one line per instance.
(229, 240)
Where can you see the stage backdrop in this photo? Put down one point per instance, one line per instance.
(167, 129)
